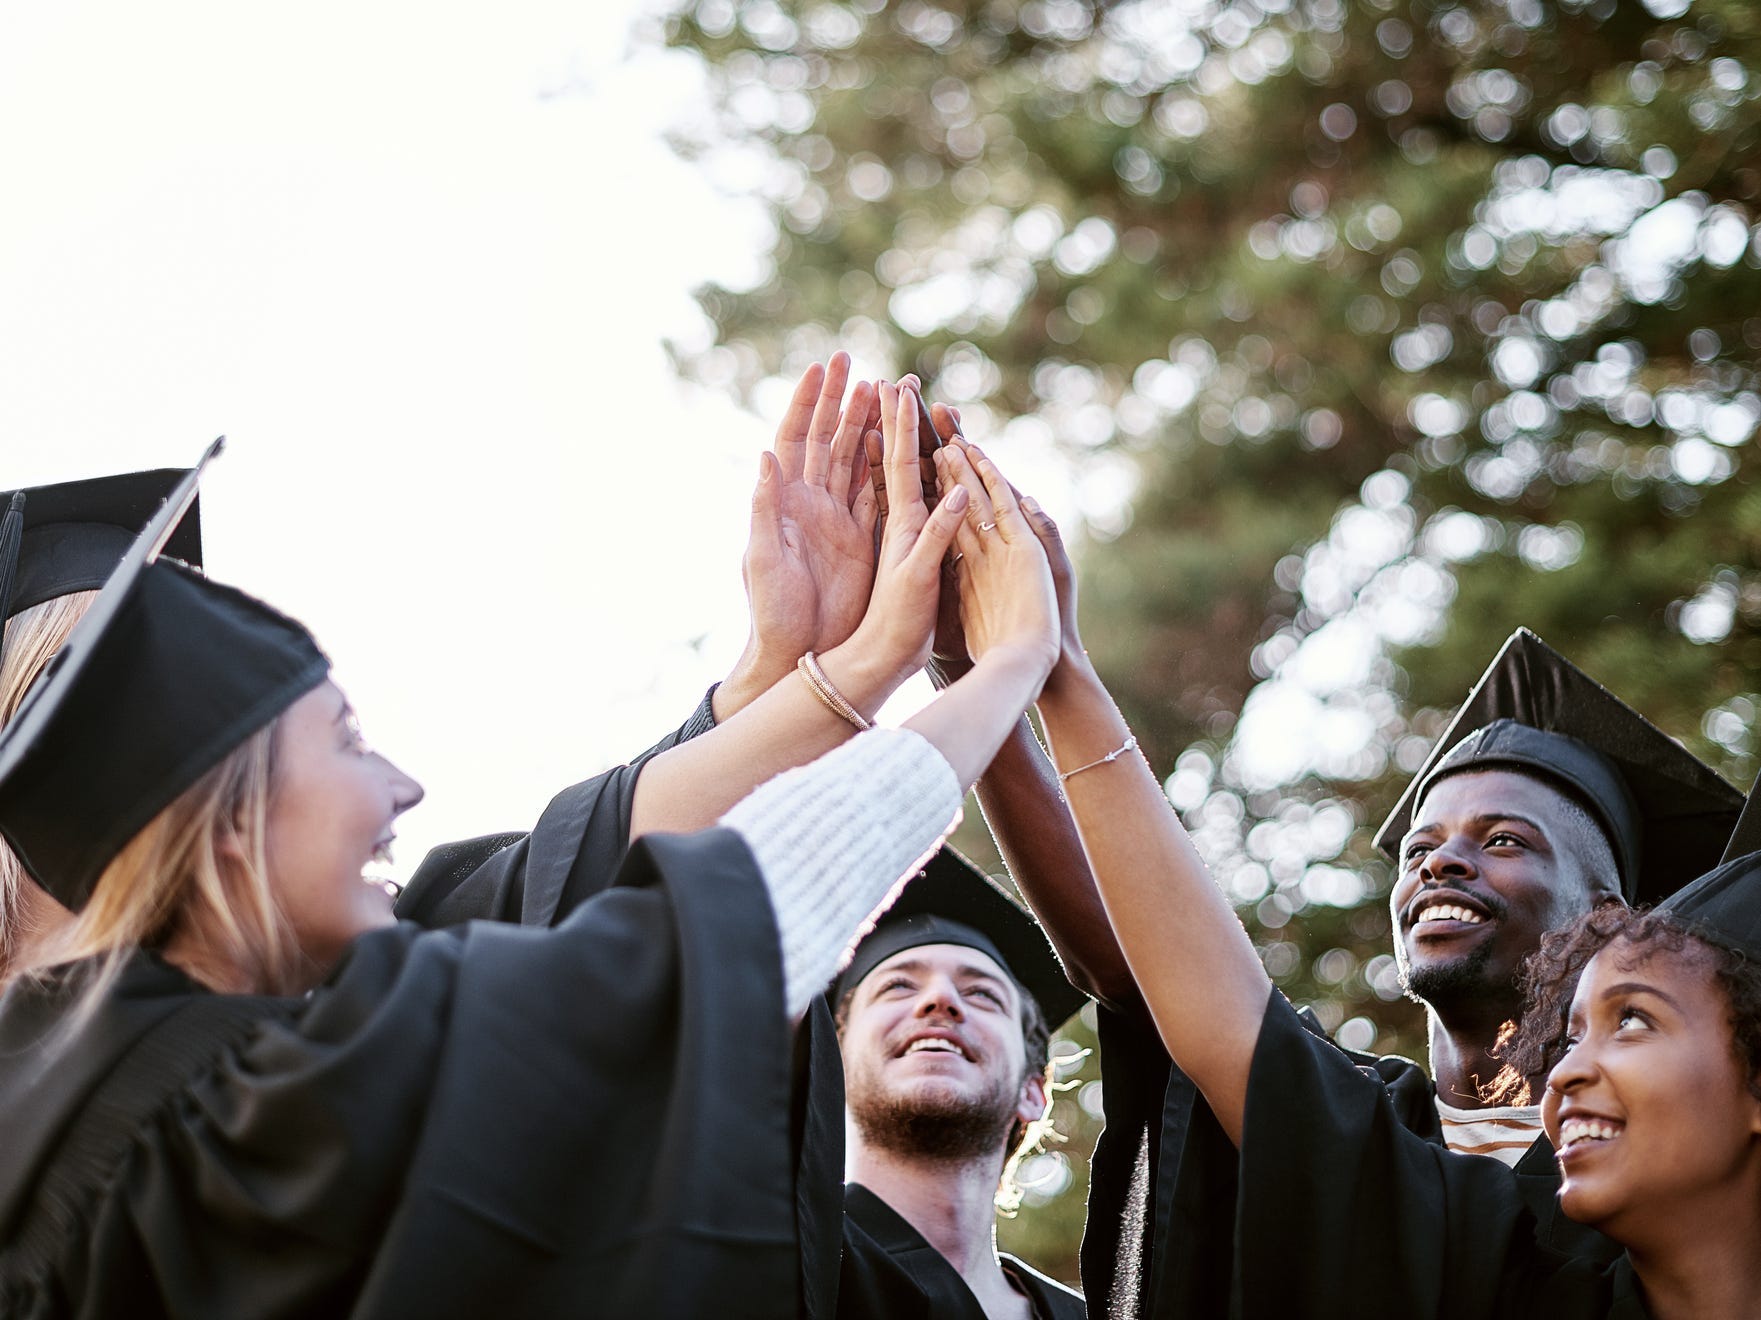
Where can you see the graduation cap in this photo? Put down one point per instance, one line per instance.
(71, 536)
(164, 675)
(1726, 903)
(952, 902)
(1667, 814)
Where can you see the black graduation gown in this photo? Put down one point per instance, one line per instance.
(1345, 1212)
(1161, 1231)
(539, 878)
(488, 1121)
(891, 1273)
(535, 878)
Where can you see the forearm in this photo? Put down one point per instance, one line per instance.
(832, 838)
(1025, 809)
(689, 786)
(968, 721)
(1192, 960)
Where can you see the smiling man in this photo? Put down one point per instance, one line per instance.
(944, 1018)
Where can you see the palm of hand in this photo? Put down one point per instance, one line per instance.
(823, 585)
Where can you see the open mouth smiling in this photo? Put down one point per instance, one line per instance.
(1443, 912)
(933, 1044)
(1580, 1133)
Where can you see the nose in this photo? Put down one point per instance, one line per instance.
(1449, 860)
(1576, 1070)
(938, 996)
(405, 791)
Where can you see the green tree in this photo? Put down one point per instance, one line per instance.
(1411, 320)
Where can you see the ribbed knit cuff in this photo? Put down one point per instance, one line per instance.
(833, 837)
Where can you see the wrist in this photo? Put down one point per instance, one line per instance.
(1012, 663)
(753, 674)
(1073, 681)
(861, 678)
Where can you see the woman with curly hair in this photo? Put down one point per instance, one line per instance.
(1647, 1026)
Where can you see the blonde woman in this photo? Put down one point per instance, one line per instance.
(233, 1087)
(71, 536)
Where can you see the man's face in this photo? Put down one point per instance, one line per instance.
(1494, 860)
(934, 1058)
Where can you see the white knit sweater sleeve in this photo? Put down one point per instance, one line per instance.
(832, 839)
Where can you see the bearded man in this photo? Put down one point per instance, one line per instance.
(944, 1020)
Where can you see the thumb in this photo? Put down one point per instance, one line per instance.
(1050, 538)
(938, 529)
(767, 507)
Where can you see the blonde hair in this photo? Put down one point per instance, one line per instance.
(33, 636)
(198, 873)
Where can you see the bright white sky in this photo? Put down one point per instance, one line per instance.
(416, 261)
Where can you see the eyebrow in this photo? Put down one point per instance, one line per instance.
(1486, 818)
(1640, 988)
(968, 970)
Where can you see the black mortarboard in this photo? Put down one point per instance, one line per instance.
(164, 675)
(75, 533)
(1666, 813)
(1746, 837)
(1726, 902)
(952, 902)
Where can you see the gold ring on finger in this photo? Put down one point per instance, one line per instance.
(987, 527)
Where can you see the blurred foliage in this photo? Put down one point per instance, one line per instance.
(1404, 322)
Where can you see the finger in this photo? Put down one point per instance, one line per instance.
(766, 538)
(866, 508)
(1005, 510)
(792, 431)
(816, 467)
(946, 419)
(939, 531)
(876, 470)
(1043, 526)
(958, 469)
(904, 476)
(846, 446)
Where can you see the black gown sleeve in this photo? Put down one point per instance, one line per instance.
(1344, 1212)
(537, 878)
(491, 1121)
(1160, 1236)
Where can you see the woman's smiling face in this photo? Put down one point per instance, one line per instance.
(1651, 1109)
(331, 807)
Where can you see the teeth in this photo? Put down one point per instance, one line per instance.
(1574, 1130)
(1449, 912)
(382, 853)
(932, 1043)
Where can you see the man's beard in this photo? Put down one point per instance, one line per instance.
(1463, 981)
(941, 1128)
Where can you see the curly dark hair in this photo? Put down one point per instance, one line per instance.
(1532, 1047)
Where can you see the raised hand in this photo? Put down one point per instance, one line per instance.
(809, 562)
(1072, 656)
(901, 614)
(1007, 597)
